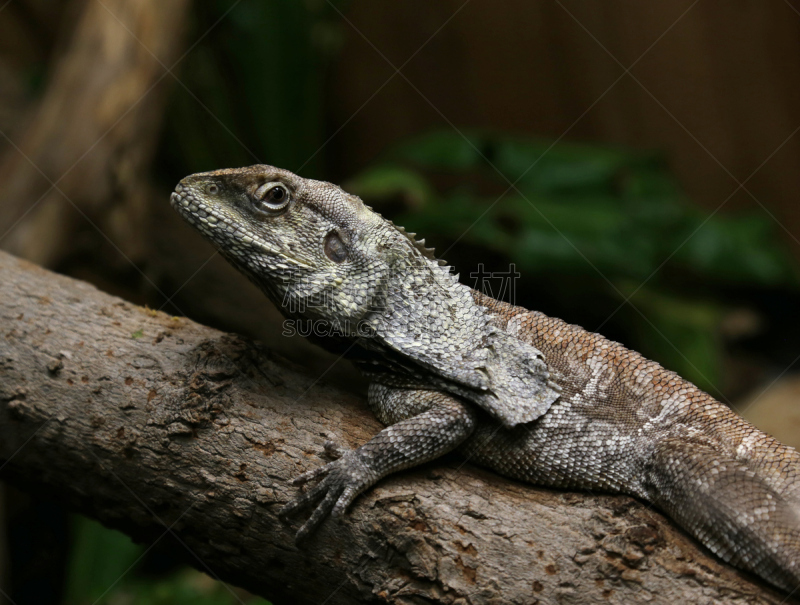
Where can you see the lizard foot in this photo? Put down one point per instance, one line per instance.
(342, 480)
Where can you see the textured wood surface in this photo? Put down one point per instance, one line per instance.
(151, 423)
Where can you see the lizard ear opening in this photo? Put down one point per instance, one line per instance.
(334, 248)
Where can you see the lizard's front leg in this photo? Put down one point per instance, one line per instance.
(424, 426)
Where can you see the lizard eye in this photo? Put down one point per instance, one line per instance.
(271, 197)
(335, 248)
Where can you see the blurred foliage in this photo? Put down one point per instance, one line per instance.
(613, 218)
(252, 89)
(104, 570)
(99, 557)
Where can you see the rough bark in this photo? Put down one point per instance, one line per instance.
(148, 422)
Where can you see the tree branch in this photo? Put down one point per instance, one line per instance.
(148, 422)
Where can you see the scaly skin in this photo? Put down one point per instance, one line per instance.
(529, 396)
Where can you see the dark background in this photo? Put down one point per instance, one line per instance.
(637, 163)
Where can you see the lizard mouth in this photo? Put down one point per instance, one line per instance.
(215, 225)
(225, 232)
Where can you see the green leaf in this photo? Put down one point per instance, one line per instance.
(389, 180)
(680, 332)
(185, 587)
(99, 559)
(738, 249)
(543, 166)
(102, 570)
(442, 150)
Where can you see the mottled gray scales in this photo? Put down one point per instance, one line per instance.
(624, 423)
(527, 395)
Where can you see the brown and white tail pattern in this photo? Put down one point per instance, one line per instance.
(732, 502)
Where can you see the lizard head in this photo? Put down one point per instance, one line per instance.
(317, 251)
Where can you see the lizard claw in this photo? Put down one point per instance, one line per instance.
(342, 481)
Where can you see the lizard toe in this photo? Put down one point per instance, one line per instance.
(345, 500)
(304, 500)
(334, 450)
(311, 475)
(318, 516)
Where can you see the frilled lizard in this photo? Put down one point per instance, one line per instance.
(529, 396)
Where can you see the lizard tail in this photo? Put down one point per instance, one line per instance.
(732, 503)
